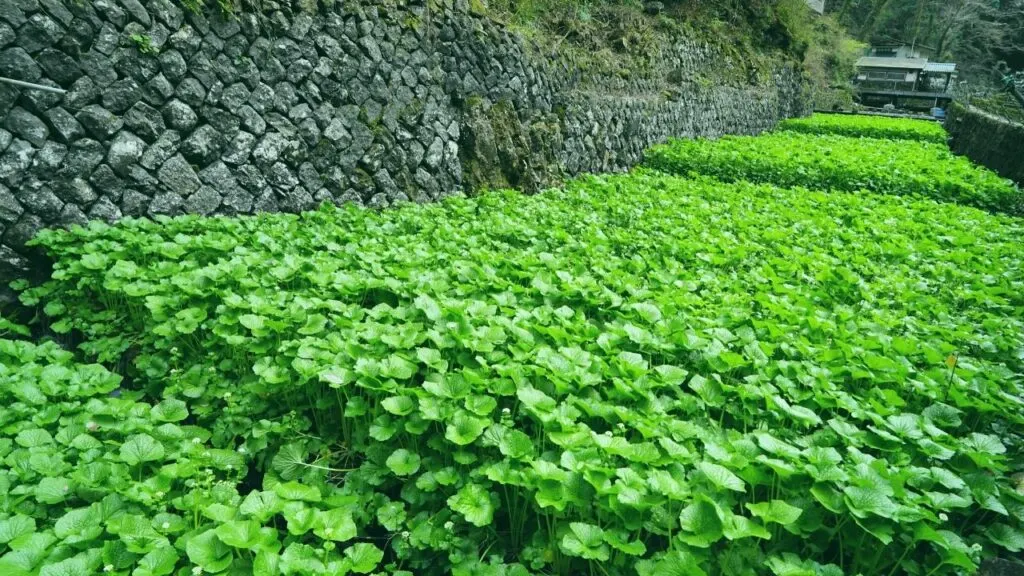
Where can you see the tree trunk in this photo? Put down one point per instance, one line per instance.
(940, 46)
(917, 22)
(869, 24)
(842, 10)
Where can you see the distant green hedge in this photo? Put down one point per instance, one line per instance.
(868, 126)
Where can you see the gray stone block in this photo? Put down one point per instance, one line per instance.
(71, 215)
(250, 177)
(39, 32)
(58, 66)
(336, 133)
(160, 151)
(39, 101)
(238, 150)
(104, 209)
(84, 155)
(49, 159)
(191, 91)
(99, 122)
(135, 203)
(38, 198)
(173, 65)
(203, 146)
(98, 67)
(24, 124)
(6, 35)
(251, 120)
(309, 132)
(18, 64)
(296, 199)
(107, 39)
(125, 150)
(145, 121)
(262, 98)
(167, 204)
(12, 14)
(179, 116)
(204, 201)
(235, 96)
(15, 161)
(104, 179)
(75, 191)
(218, 175)
(158, 90)
(271, 148)
(279, 175)
(137, 11)
(178, 176)
(10, 208)
(119, 96)
(18, 234)
(82, 93)
(237, 201)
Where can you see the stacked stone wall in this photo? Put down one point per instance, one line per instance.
(168, 111)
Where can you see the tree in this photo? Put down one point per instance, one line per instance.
(974, 33)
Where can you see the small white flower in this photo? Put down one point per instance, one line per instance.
(108, 568)
(174, 350)
(166, 526)
(405, 534)
(242, 450)
(607, 432)
(622, 426)
(943, 517)
(227, 395)
(449, 525)
(159, 494)
(328, 530)
(175, 370)
(196, 440)
(197, 570)
(91, 426)
(976, 547)
(506, 411)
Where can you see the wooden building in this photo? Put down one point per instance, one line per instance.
(902, 76)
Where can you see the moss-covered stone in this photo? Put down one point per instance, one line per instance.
(499, 150)
(987, 139)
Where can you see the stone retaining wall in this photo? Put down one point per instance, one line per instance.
(168, 111)
(989, 140)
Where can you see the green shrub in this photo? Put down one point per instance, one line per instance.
(638, 374)
(868, 127)
(841, 163)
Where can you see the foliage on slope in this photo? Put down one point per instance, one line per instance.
(637, 374)
(868, 127)
(828, 161)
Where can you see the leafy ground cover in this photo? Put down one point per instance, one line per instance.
(830, 162)
(868, 126)
(638, 374)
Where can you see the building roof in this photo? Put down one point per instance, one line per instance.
(940, 67)
(886, 62)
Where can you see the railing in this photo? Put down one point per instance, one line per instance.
(901, 85)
